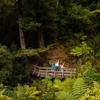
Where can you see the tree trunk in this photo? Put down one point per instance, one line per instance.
(22, 39)
(41, 40)
(19, 18)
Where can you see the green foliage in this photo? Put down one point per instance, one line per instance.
(5, 63)
(6, 2)
(70, 89)
(26, 92)
(83, 49)
(91, 75)
(66, 85)
(94, 12)
(64, 89)
(26, 52)
(82, 69)
(29, 24)
(19, 73)
(92, 93)
(62, 95)
(13, 65)
(5, 55)
(79, 88)
(30, 52)
(79, 12)
(94, 43)
(47, 90)
(56, 20)
(2, 95)
(85, 57)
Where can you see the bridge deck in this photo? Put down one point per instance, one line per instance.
(47, 71)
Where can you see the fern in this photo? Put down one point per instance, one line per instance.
(70, 89)
(92, 93)
(2, 95)
(62, 95)
(64, 89)
(66, 85)
(78, 88)
(58, 85)
(26, 92)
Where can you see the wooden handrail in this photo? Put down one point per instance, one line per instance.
(47, 71)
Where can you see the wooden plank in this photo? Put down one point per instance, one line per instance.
(40, 72)
(57, 74)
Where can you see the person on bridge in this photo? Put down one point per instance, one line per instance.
(57, 66)
(62, 69)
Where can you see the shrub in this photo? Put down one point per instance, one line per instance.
(26, 92)
(2, 95)
(91, 75)
(82, 49)
(70, 89)
(47, 90)
(64, 89)
(5, 64)
(92, 93)
(79, 88)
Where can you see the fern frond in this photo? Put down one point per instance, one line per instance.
(62, 95)
(78, 88)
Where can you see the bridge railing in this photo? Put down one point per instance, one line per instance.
(47, 71)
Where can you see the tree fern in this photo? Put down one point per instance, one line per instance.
(78, 88)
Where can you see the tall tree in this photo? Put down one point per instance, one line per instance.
(8, 27)
(43, 12)
(46, 15)
(19, 18)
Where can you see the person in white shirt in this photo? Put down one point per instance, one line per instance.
(57, 65)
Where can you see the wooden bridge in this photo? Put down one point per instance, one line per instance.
(47, 71)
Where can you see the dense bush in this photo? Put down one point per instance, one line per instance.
(70, 89)
(5, 64)
(91, 75)
(92, 93)
(2, 95)
(46, 88)
(26, 92)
